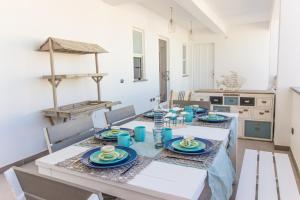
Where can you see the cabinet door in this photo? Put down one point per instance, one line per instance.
(232, 101)
(247, 101)
(216, 100)
(258, 129)
(267, 102)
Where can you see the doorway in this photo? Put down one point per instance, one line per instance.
(163, 70)
(203, 72)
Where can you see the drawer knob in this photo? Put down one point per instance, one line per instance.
(241, 112)
(246, 110)
(261, 113)
(264, 101)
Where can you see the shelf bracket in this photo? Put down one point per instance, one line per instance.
(97, 79)
(56, 82)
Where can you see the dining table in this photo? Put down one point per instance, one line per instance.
(157, 180)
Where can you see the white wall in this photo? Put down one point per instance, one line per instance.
(245, 50)
(274, 41)
(26, 24)
(288, 68)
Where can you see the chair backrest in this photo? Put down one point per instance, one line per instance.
(38, 187)
(68, 133)
(179, 96)
(202, 104)
(118, 116)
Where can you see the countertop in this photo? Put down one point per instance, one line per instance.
(296, 89)
(237, 91)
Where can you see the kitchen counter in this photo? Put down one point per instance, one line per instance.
(236, 91)
(296, 89)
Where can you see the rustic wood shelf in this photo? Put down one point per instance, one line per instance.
(69, 46)
(71, 111)
(73, 76)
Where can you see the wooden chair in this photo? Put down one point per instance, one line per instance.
(31, 186)
(120, 116)
(68, 133)
(266, 176)
(179, 96)
(202, 104)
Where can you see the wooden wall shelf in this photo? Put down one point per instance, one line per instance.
(73, 76)
(71, 111)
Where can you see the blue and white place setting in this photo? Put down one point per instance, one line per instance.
(111, 134)
(108, 157)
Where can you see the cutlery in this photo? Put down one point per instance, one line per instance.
(134, 164)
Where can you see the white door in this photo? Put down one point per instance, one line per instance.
(202, 66)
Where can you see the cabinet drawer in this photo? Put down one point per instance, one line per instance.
(257, 129)
(216, 100)
(199, 97)
(247, 101)
(221, 108)
(233, 101)
(243, 112)
(264, 102)
(261, 114)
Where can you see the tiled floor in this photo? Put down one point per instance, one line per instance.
(5, 193)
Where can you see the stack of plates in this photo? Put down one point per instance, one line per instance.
(112, 135)
(122, 156)
(213, 118)
(199, 146)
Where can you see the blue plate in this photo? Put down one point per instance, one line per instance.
(85, 159)
(207, 149)
(176, 145)
(200, 110)
(100, 135)
(94, 157)
(213, 119)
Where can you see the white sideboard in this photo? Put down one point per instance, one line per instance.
(255, 108)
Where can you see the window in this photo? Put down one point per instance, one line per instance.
(138, 54)
(184, 60)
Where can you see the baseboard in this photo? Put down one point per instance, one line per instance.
(281, 148)
(295, 163)
(24, 161)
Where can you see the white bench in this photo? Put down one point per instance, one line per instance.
(266, 176)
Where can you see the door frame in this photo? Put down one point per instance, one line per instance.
(160, 37)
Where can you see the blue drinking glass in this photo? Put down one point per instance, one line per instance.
(140, 133)
(167, 134)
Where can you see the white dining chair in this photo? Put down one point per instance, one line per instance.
(62, 135)
(120, 116)
(26, 185)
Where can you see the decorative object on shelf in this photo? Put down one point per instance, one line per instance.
(233, 81)
(172, 26)
(74, 110)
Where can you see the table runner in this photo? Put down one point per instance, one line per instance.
(120, 174)
(220, 179)
(146, 154)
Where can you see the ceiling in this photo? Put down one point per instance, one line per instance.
(242, 11)
(231, 12)
(181, 16)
